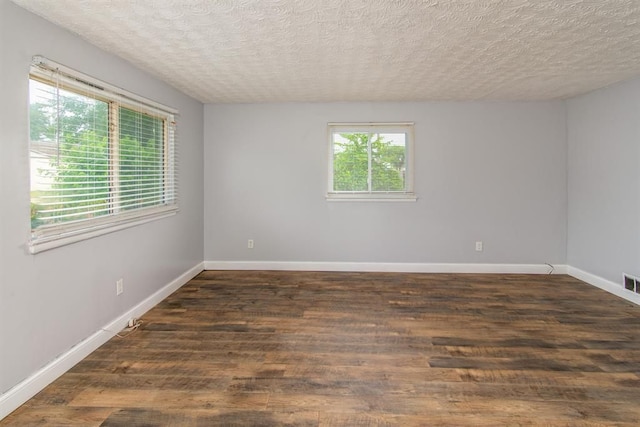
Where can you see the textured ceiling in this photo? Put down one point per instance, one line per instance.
(364, 50)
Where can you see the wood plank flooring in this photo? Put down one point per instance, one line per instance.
(362, 349)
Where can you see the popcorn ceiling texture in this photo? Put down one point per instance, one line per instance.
(232, 51)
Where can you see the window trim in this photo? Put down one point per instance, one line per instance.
(56, 235)
(62, 236)
(408, 195)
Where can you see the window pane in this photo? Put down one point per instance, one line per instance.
(69, 155)
(350, 162)
(388, 152)
(369, 161)
(141, 160)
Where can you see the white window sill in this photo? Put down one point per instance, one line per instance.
(371, 197)
(67, 234)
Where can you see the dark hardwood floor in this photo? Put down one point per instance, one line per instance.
(362, 349)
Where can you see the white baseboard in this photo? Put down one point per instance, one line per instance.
(607, 285)
(396, 267)
(25, 390)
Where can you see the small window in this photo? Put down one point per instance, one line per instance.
(101, 158)
(371, 161)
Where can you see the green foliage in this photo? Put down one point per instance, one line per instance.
(41, 126)
(351, 163)
(83, 185)
(141, 155)
(69, 114)
(35, 221)
(140, 159)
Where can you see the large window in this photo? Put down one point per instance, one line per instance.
(101, 158)
(371, 161)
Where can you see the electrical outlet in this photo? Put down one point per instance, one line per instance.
(479, 246)
(250, 244)
(119, 286)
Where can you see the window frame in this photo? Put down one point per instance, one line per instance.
(50, 236)
(406, 195)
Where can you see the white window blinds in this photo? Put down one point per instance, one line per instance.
(101, 158)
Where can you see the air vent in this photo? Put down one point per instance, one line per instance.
(631, 283)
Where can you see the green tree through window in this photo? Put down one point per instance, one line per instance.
(141, 155)
(70, 133)
(369, 162)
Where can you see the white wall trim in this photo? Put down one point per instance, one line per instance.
(607, 285)
(26, 389)
(396, 267)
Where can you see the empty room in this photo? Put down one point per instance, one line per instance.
(319, 213)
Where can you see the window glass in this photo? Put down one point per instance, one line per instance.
(69, 156)
(370, 161)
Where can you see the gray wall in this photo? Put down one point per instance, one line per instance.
(604, 181)
(53, 300)
(494, 172)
